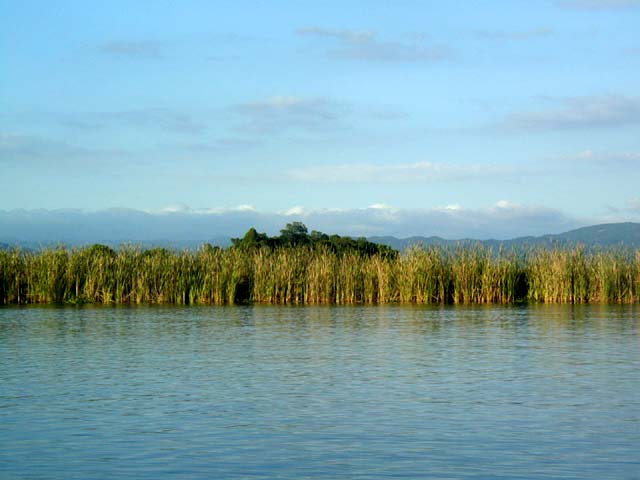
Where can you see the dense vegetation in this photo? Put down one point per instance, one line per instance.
(322, 270)
(296, 234)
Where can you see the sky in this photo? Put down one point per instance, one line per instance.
(478, 118)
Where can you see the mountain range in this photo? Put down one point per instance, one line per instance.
(605, 235)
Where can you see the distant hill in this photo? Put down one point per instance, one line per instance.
(222, 242)
(605, 235)
(608, 234)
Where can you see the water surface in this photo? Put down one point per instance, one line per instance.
(329, 392)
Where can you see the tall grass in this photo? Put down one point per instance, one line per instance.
(318, 275)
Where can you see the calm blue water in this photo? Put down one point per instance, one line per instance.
(332, 392)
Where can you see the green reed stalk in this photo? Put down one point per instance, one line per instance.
(318, 275)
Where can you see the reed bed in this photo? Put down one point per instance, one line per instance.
(318, 275)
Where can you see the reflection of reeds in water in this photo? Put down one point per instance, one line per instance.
(306, 275)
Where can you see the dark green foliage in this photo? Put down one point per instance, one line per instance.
(296, 234)
(252, 239)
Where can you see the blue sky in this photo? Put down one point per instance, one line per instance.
(521, 116)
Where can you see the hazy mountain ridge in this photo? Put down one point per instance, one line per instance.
(606, 235)
(183, 227)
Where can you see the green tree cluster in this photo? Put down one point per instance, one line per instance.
(296, 234)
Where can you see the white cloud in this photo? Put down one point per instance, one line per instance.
(175, 208)
(295, 211)
(506, 204)
(381, 206)
(505, 219)
(246, 208)
(240, 209)
(452, 207)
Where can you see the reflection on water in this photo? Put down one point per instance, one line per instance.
(326, 392)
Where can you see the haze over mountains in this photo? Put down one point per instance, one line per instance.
(605, 235)
(180, 225)
(180, 229)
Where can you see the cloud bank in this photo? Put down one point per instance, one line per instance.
(179, 224)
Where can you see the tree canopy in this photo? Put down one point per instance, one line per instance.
(296, 234)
